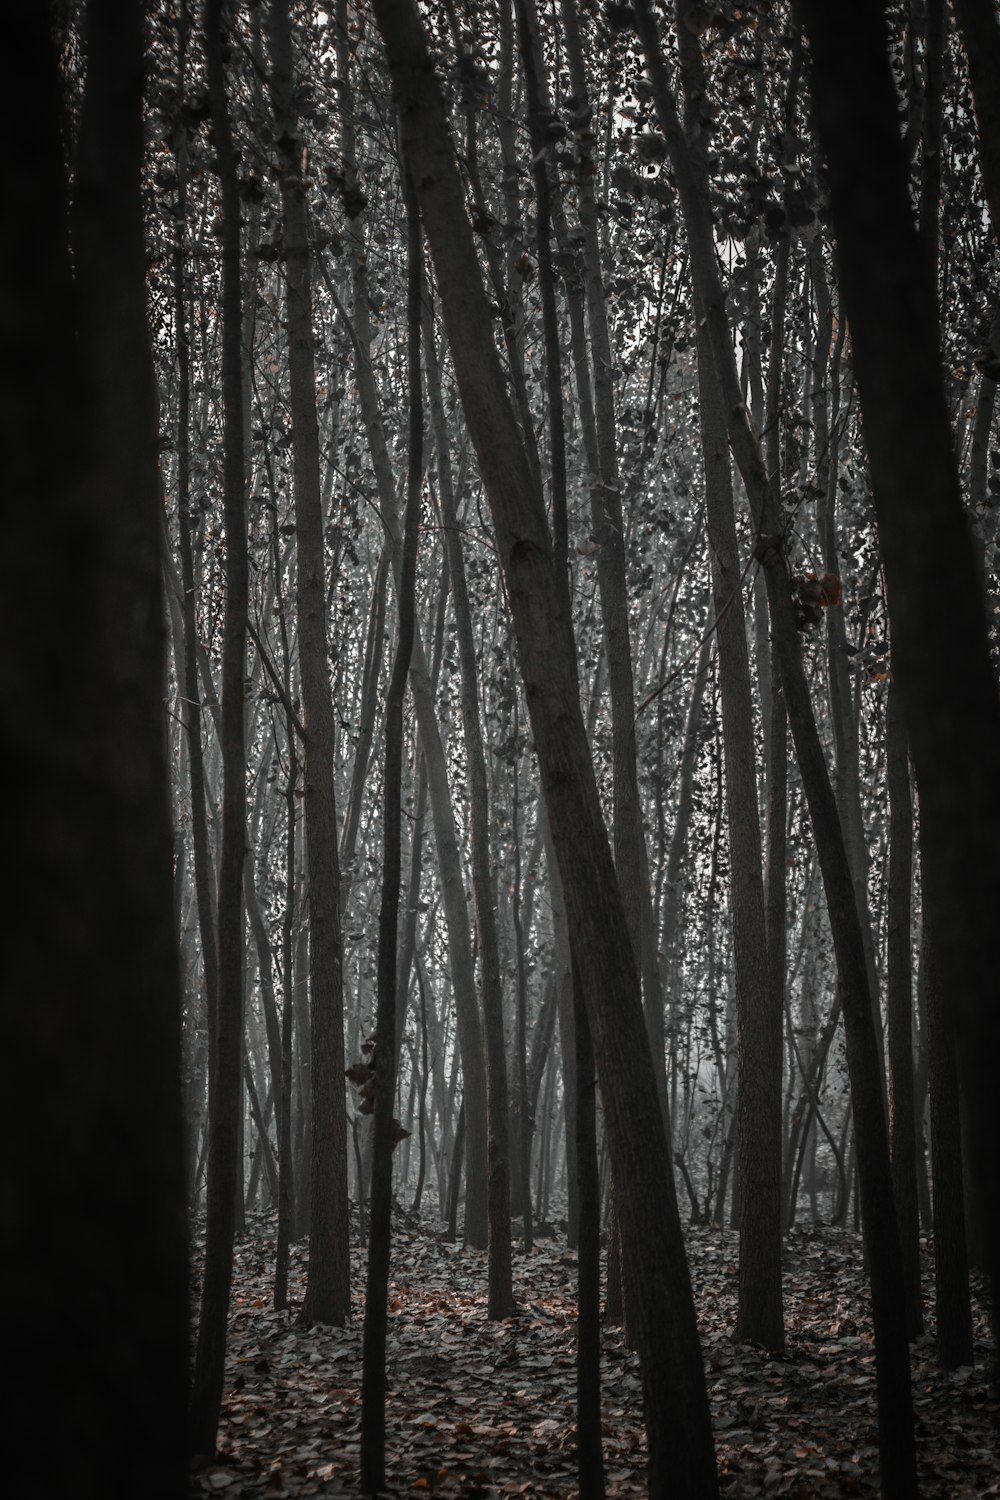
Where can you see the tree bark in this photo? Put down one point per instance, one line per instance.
(226, 1056)
(896, 1442)
(952, 1308)
(453, 891)
(680, 1440)
(373, 1378)
(328, 1293)
(947, 686)
(899, 1010)
(91, 978)
(501, 1293)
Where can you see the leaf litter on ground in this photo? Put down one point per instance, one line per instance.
(481, 1409)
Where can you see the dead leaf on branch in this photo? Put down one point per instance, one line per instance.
(812, 594)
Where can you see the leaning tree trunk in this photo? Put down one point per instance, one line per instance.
(631, 856)
(680, 1439)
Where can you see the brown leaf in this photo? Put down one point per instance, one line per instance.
(829, 590)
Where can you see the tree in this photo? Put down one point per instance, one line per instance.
(946, 682)
(376, 1288)
(328, 1297)
(92, 972)
(680, 1442)
(224, 1191)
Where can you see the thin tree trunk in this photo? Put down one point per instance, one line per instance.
(328, 1297)
(952, 1308)
(500, 1274)
(680, 1439)
(203, 874)
(454, 897)
(760, 1317)
(226, 1094)
(286, 1161)
(589, 1449)
(899, 1005)
(980, 28)
(373, 1378)
(631, 857)
(896, 1442)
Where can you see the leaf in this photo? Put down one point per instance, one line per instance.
(829, 590)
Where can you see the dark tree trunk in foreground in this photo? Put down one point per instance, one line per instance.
(681, 1456)
(941, 661)
(90, 963)
(224, 1187)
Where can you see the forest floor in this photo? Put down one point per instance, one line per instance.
(484, 1409)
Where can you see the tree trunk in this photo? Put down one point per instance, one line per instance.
(226, 1058)
(453, 892)
(952, 1308)
(899, 1007)
(501, 1294)
(680, 1440)
(373, 1377)
(94, 1054)
(896, 1442)
(631, 857)
(328, 1294)
(760, 1316)
(589, 1451)
(941, 664)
